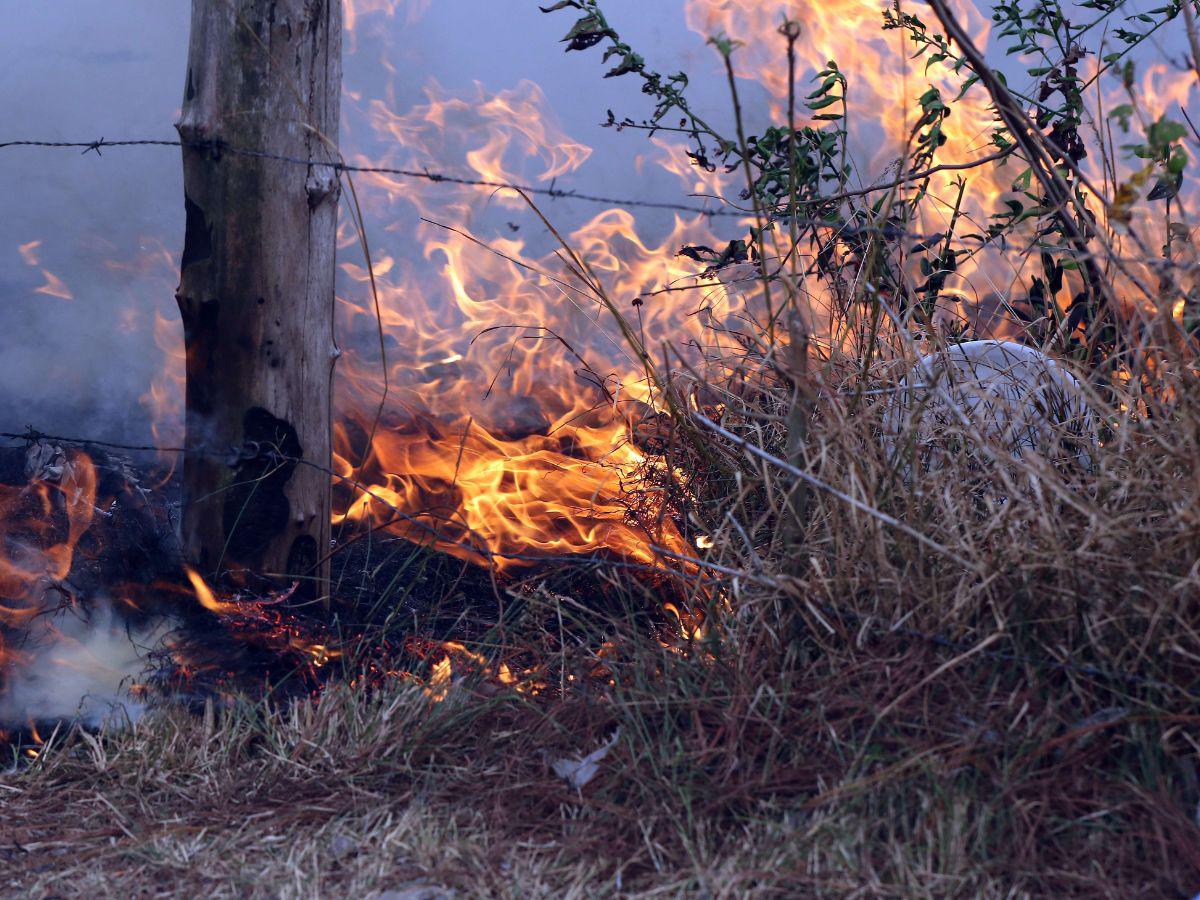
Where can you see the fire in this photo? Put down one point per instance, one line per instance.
(53, 286)
(512, 395)
(35, 555)
(691, 624)
(884, 82)
(439, 681)
(41, 526)
(205, 595)
(513, 398)
(437, 687)
(357, 13)
(29, 252)
(500, 415)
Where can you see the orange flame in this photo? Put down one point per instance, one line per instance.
(508, 433)
(31, 561)
(54, 286)
(206, 597)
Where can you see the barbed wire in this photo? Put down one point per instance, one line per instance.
(218, 147)
(848, 616)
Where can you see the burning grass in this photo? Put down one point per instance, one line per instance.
(843, 711)
(998, 697)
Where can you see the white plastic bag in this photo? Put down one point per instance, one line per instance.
(984, 399)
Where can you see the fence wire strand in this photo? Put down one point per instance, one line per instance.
(220, 147)
(714, 571)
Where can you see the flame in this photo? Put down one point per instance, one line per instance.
(691, 624)
(509, 431)
(32, 559)
(54, 286)
(513, 401)
(512, 422)
(29, 252)
(362, 16)
(439, 682)
(206, 597)
(883, 86)
(37, 548)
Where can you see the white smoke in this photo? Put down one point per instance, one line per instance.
(78, 667)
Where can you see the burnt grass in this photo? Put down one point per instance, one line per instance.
(392, 603)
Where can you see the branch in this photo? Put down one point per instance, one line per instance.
(1032, 142)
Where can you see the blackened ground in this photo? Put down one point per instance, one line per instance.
(392, 600)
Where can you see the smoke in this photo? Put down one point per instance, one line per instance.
(81, 667)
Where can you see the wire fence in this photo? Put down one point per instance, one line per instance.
(218, 147)
(729, 209)
(712, 571)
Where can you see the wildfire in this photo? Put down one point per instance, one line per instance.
(513, 398)
(36, 555)
(502, 420)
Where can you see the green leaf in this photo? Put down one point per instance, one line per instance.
(1177, 162)
(966, 84)
(1164, 131)
(631, 62)
(1122, 114)
(823, 102)
(587, 24)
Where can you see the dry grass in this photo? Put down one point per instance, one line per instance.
(777, 756)
(1001, 705)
